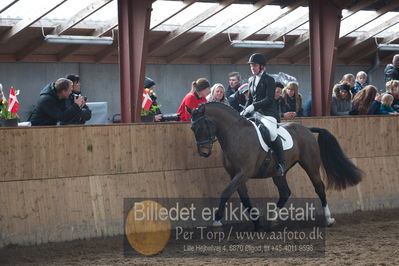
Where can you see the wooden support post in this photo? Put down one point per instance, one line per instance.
(134, 22)
(325, 20)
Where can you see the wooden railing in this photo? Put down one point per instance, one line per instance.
(64, 183)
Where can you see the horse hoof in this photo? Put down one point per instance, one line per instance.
(330, 221)
(217, 224)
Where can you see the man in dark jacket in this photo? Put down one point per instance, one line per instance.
(51, 107)
(238, 99)
(391, 71)
(85, 114)
(261, 99)
(234, 83)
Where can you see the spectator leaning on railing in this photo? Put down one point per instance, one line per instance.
(386, 105)
(51, 108)
(366, 102)
(392, 88)
(341, 100)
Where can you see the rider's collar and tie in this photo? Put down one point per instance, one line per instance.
(256, 80)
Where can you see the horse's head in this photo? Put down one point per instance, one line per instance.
(204, 130)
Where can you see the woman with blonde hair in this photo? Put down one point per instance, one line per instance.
(392, 87)
(197, 95)
(366, 102)
(218, 94)
(292, 101)
(350, 79)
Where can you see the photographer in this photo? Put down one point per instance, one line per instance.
(51, 107)
(83, 116)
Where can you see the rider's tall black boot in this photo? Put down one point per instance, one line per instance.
(277, 147)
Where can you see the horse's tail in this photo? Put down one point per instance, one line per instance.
(341, 172)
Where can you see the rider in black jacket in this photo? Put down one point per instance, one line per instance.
(261, 99)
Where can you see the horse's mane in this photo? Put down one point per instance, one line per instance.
(226, 107)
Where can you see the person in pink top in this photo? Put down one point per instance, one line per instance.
(197, 95)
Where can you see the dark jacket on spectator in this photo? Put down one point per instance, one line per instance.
(290, 106)
(391, 73)
(50, 109)
(307, 107)
(340, 106)
(395, 104)
(235, 100)
(280, 106)
(386, 109)
(359, 86)
(231, 91)
(374, 109)
(80, 118)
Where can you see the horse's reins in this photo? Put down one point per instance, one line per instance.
(212, 139)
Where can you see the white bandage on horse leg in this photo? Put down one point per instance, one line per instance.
(217, 223)
(327, 214)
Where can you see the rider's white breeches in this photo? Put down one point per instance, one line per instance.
(271, 124)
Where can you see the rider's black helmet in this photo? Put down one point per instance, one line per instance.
(257, 59)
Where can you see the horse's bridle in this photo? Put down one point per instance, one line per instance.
(209, 141)
(212, 139)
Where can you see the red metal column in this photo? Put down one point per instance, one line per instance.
(134, 22)
(325, 20)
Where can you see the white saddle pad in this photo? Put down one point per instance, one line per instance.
(285, 136)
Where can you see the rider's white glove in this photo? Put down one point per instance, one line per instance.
(248, 110)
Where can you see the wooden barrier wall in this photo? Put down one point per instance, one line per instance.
(65, 183)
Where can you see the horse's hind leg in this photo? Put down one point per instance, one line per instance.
(314, 175)
(283, 190)
(243, 192)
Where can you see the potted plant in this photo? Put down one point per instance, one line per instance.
(148, 116)
(9, 118)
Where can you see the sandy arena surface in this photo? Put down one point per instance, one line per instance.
(362, 238)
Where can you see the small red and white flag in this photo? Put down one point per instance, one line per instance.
(146, 101)
(13, 103)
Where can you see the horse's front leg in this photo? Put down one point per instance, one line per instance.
(235, 183)
(243, 192)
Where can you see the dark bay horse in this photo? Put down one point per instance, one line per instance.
(243, 156)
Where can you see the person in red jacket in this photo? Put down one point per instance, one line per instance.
(197, 95)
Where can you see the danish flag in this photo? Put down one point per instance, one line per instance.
(146, 101)
(13, 103)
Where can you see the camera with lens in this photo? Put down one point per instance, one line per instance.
(77, 96)
(170, 117)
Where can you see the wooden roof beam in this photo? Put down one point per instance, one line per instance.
(8, 6)
(191, 24)
(371, 33)
(99, 32)
(186, 3)
(212, 34)
(29, 48)
(305, 36)
(23, 24)
(107, 28)
(107, 51)
(80, 15)
(283, 31)
(287, 29)
(268, 21)
(345, 31)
